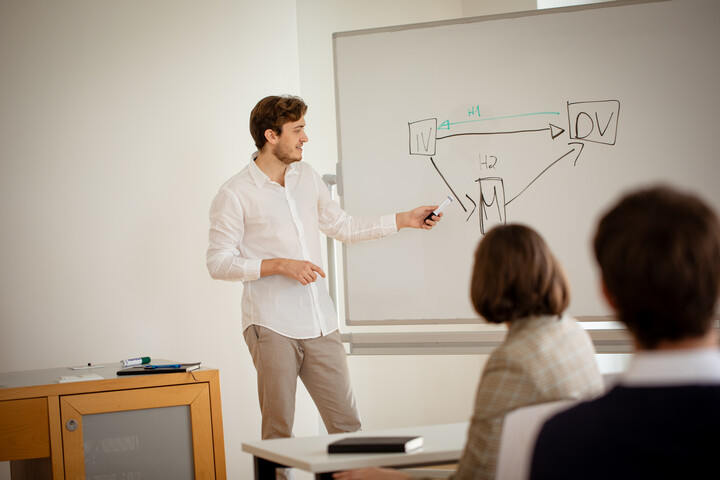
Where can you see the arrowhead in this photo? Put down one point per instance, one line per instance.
(555, 131)
(445, 125)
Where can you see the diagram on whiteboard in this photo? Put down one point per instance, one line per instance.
(590, 121)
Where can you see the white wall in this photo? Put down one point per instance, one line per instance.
(118, 123)
(119, 120)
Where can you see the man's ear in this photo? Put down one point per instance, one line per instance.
(608, 298)
(270, 136)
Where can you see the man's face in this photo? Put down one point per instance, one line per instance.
(290, 142)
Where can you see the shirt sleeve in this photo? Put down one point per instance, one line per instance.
(223, 258)
(336, 223)
(503, 388)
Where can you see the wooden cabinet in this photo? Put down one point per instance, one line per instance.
(25, 433)
(134, 426)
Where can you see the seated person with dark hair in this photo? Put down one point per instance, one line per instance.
(659, 256)
(545, 356)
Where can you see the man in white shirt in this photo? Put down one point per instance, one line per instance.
(659, 255)
(264, 226)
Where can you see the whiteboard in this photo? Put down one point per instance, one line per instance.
(542, 118)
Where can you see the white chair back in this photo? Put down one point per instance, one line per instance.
(520, 430)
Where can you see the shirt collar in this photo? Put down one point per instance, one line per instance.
(698, 366)
(534, 321)
(259, 176)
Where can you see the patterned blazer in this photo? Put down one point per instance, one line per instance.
(542, 359)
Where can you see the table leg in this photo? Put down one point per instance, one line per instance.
(265, 469)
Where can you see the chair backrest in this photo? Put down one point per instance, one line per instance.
(520, 430)
(611, 379)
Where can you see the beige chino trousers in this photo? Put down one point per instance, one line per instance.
(321, 364)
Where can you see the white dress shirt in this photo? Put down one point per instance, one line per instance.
(665, 368)
(253, 218)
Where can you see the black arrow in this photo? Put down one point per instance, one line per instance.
(545, 170)
(554, 130)
(448, 185)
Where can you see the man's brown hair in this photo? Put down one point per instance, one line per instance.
(659, 254)
(516, 276)
(272, 113)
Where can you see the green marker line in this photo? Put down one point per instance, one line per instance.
(447, 123)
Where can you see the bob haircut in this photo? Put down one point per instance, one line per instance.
(659, 254)
(516, 276)
(272, 113)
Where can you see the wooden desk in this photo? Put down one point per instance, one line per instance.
(442, 444)
(41, 421)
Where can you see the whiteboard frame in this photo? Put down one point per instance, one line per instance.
(338, 35)
(339, 178)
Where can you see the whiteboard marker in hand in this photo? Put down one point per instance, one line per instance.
(439, 209)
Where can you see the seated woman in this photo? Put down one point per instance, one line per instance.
(546, 356)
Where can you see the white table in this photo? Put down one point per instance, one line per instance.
(442, 444)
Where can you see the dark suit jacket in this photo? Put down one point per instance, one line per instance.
(634, 433)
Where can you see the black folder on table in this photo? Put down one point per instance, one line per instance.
(152, 369)
(381, 444)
